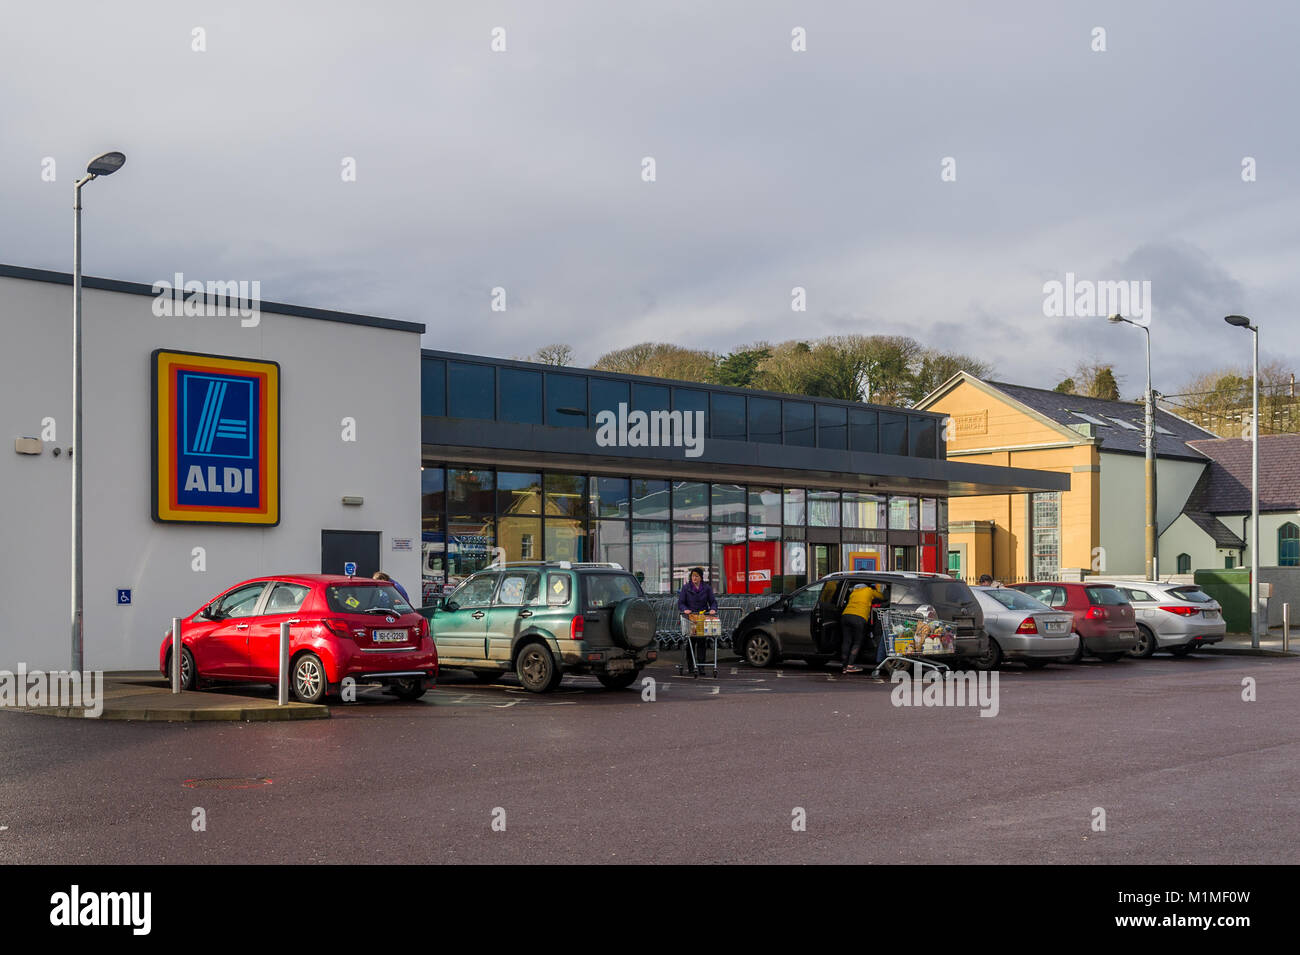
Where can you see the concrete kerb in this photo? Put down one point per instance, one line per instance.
(147, 697)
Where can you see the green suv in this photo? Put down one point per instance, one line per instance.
(543, 620)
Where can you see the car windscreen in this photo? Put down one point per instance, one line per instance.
(362, 598)
(1105, 596)
(1191, 594)
(1015, 600)
(605, 590)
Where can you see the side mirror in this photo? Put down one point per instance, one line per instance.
(451, 606)
(206, 613)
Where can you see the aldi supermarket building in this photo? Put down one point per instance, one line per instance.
(781, 490)
(218, 449)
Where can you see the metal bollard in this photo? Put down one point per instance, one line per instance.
(1286, 627)
(177, 647)
(284, 665)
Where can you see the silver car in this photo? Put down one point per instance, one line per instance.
(1024, 629)
(1174, 617)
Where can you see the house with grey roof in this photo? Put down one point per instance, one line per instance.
(1202, 500)
(1214, 528)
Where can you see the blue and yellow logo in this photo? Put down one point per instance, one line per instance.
(216, 439)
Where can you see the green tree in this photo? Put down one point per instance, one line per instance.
(1104, 385)
(739, 369)
(1091, 380)
(935, 367)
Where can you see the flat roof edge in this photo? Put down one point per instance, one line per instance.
(275, 308)
(674, 382)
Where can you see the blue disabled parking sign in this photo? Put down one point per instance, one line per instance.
(349, 568)
(123, 596)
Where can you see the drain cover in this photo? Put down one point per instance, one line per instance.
(227, 782)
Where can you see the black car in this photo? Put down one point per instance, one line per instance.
(805, 624)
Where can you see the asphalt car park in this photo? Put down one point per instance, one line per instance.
(711, 771)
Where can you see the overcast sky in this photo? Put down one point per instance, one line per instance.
(774, 168)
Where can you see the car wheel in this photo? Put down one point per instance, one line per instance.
(1111, 657)
(618, 681)
(1181, 651)
(759, 650)
(1146, 644)
(536, 669)
(308, 679)
(1036, 664)
(189, 676)
(411, 689)
(990, 659)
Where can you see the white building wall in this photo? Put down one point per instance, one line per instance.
(1184, 537)
(1269, 525)
(1123, 506)
(329, 371)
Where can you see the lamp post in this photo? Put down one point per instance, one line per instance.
(1241, 321)
(104, 164)
(1152, 531)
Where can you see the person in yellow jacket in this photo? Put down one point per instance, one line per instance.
(855, 622)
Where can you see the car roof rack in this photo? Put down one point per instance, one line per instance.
(854, 573)
(562, 564)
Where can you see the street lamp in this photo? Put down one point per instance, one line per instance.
(1152, 547)
(1241, 321)
(104, 164)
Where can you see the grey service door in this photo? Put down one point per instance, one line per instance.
(339, 547)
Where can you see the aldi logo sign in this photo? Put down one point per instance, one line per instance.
(216, 439)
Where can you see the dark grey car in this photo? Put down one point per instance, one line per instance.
(805, 624)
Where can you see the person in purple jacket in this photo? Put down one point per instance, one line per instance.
(696, 596)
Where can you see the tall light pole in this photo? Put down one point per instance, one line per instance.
(104, 164)
(1152, 530)
(1241, 321)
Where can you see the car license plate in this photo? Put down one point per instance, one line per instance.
(1056, 626)
(619, 666)
(1210, 614)
(390, 636)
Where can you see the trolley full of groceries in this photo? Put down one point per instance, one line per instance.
(705, 630)
(915, 639)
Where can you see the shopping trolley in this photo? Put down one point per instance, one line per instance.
(705, 630)
(907, 639)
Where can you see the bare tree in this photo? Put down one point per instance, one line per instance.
(554, 355)
(660, 360)
(1219, 400)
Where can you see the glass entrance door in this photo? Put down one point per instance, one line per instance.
(826, 560)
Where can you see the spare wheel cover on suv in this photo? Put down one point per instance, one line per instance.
(633, 623)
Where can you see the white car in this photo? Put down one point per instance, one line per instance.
(1175, 617)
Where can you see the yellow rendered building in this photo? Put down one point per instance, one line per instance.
(1096, 526)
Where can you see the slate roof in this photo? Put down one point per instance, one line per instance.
(1225, 486)
(1222, 536)
(1112, 437)
(1196, 512)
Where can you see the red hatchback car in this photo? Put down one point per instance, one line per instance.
(1103, 619)
(339, 627)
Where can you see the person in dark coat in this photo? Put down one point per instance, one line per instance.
(696, 596)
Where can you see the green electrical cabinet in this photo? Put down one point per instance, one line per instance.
(1231, 588)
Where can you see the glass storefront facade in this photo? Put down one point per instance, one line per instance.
(749, 538)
